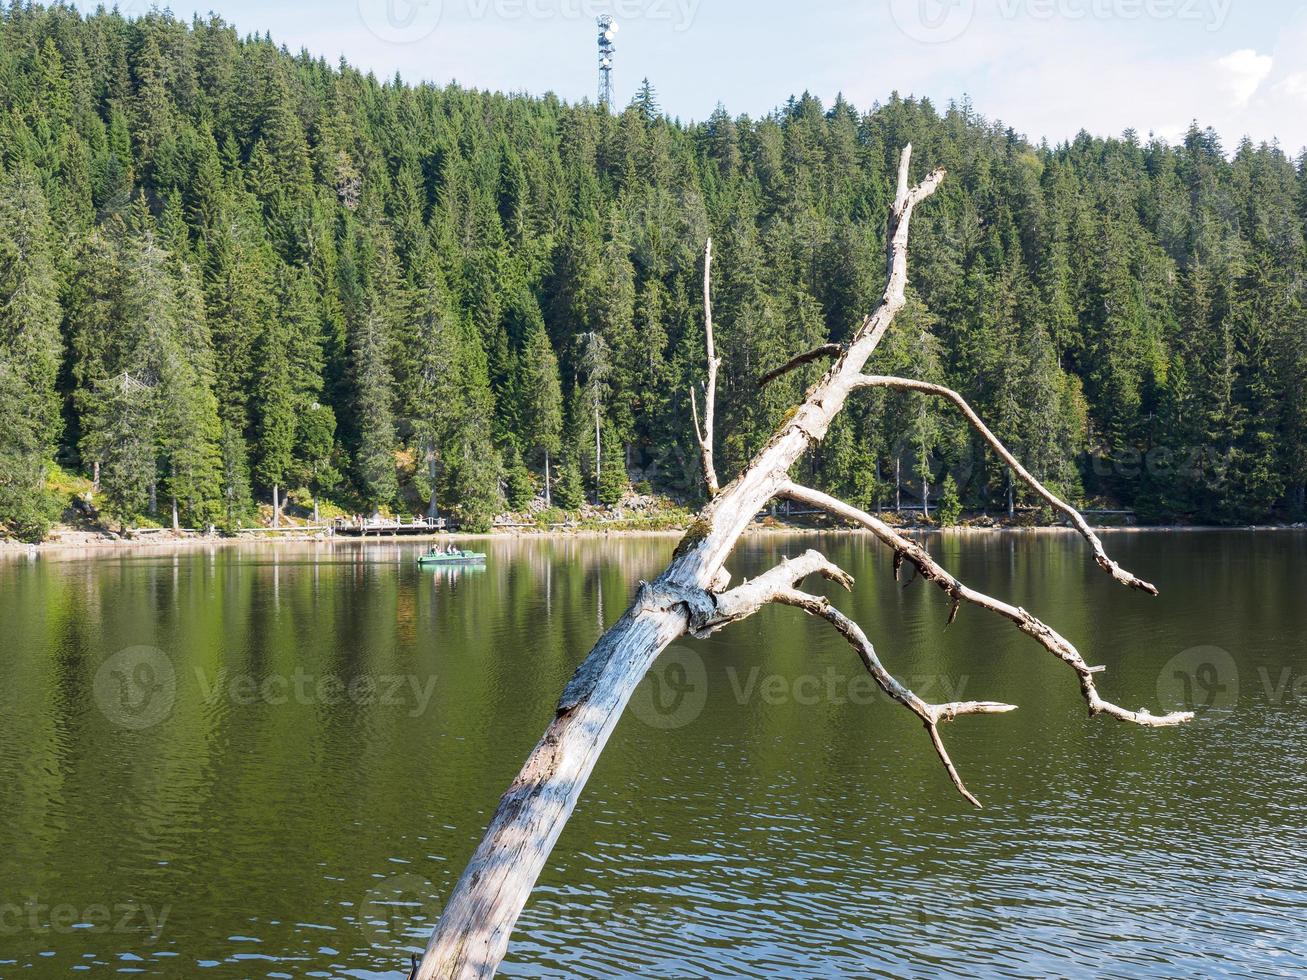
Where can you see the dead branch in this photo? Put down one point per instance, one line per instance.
(705, 436)
(807, 357)
(930, 714)
(473, 932)
(777, 585)
(747, 598)
(929, 569)
(1100, 554)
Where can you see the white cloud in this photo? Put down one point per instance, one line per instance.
(1245, 70)
(1294, 86)
(1050, 78)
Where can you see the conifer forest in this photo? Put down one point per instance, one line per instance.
(234, 276)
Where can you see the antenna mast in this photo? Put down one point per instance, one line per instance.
(607, 34)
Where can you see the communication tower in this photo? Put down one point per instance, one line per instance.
(607, 35)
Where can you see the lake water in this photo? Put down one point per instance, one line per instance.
(275, 761)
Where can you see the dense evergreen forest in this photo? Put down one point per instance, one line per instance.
(232, 274)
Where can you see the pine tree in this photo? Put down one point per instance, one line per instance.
(376, 422)
(30, 350)
(949, 511)
(613, 481)
(646, 102)
(519, 488)
(474, 474)
(440, 376)
(569, 493)
(237, 499)
(316, 466)
(597, 367)
(276, 412)
(543, 401)
(124, 440)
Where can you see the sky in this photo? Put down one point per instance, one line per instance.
(1048, 68)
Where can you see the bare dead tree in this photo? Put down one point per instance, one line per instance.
(705, 435)
(691, 597)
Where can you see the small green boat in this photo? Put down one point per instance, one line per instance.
(450, 556)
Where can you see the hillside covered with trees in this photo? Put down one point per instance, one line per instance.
(231, 274)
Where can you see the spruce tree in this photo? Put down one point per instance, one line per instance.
(30, 351)
(569, 494)
(276, 410)
(519, 488)
(613, 481)
(374, 413)
(316, 466)
(543, 401)
(237, 501)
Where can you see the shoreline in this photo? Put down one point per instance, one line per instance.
(94, 543)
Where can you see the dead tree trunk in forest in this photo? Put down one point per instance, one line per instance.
(691, 596)
(705, 435)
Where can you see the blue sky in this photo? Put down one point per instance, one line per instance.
(1045, 67)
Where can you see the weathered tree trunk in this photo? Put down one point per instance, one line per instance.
(549, 499)
(276, 505)
(472, 935)
(689, 596)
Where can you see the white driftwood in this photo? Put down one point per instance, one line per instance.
(690, 597)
